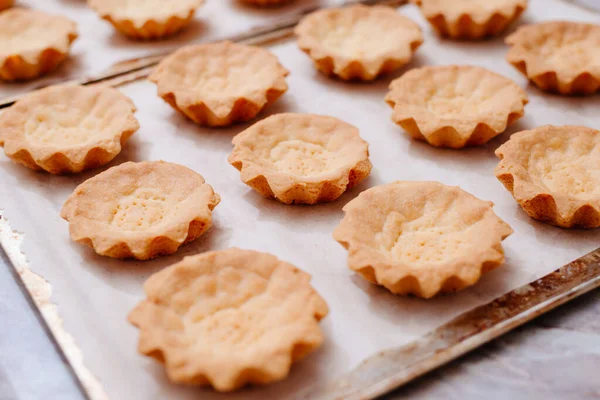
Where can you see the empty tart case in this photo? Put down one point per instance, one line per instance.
(553, 172)
(43, 43)
(455, 106)
(421, 238)
(471, 19)
(219, 84)
(358, 42)
(558, 56)
(67, 129)
(147, 19)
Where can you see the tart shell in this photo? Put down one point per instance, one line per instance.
(558, 56)
(229, 318)
(49, 41)
(552, 172)
(421, 238)
(67, 129)
(301, 158)
(140, 210)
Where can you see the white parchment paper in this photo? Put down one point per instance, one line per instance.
(94, 294)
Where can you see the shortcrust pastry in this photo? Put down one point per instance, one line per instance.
(33, 43)
(358, 42)
(228, 318)
(421, 238)
(4, 4)
(67, 129)
(471, 19)
(301, 158)
(455, 106)
(558, 56)
(147, 19)
(553, 172)
(219, 84)
(140, 210)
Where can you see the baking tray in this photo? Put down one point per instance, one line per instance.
(94, 294)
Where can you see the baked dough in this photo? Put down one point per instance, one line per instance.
(358, 42)
(558, 56)
(140, 210)
(4, 4)
(553, 172)
(471, 19)
(421, 238)
(228, 318)
(301, 158)
(33, 43)
(219, 84)
(147, 19)
(67, 129)
(455, 106)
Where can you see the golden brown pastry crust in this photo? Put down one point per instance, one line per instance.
(471, 19)
(228, 318)
(301, 158)
(219, 84)
(33, 43)
(558, 56)
(553, 172)
(140, 210)
(147, 19)
(358, 42)
(455, 106)
(67, 129)
(4, 4)
(421, 238)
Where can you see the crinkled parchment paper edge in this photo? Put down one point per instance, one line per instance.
(40, 291)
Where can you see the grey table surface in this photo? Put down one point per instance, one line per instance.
(556, 356)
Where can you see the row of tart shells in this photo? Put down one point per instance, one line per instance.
(67, 129)
(356, 42)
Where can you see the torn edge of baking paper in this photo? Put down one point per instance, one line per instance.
(40, 291)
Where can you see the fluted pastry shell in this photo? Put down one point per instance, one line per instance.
(421, 238)
(33, 43)
(455, 106)
(147, 19)
(228, 318)
(471, 19)
(140, 210)
(219, 84)
(553, 172)
(301, 158)
(358, 42)
(67, 129)
(558, 56)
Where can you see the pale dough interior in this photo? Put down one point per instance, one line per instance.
(573, 50)
(136, 201)
(230, 73)
(300, 146)
(24, 32)
(74, 121)
(433, 233)
(145, 9)
(455, 94)
(359, 36)
(570, 166)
